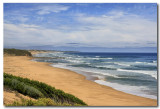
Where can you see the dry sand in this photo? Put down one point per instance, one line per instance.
(70, 82)
(11, 96)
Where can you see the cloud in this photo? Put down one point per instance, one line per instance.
(31, 13)
(21, 18)
(14, 16)
(73, 43)
(47, 9)
(114, 29)
(121, 27)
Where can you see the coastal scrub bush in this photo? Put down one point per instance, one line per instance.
(22, 88)
(27, 86)
(17, 52)
(39, 102)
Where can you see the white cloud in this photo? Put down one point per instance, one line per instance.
(16, 17)
(21, 18)
(47, 9)
(121, 28)
(116, 30)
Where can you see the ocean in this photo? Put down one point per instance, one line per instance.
(134, 73)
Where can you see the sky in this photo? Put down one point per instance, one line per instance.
(81, 25)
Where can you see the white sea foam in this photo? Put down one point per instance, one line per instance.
(136, 63)
(99, 77)
(102, 76)
(139, 62)
(107, 58)
(60, 65)
(106, 66)
(81, 69)
(75, 61)
(135, 90)
(153, 64)
(151, 73)
(154, 61)
(97, 56)
(122, 64)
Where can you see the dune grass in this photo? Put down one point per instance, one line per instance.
(37, 90)
(39, 102)
(17, 52)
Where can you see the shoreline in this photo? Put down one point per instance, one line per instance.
(98, 78)
(90, 92)
(102, 81)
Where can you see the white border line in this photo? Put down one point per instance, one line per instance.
(56, 1)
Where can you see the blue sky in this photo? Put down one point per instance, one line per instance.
(110, 25)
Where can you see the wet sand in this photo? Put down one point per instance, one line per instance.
(70, 82)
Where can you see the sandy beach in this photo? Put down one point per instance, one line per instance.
(70, 82)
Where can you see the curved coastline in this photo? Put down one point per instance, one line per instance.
(92, 93)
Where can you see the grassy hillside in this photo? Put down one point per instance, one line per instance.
(39, 90)
(17, 52)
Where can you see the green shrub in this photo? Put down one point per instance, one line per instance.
(39, 102)
(23, 102)
(22, 88)
(33, 92)
(17, 52)
(35, 89)
(45, 102)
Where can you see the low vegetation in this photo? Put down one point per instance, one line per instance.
(39, 90)
(17, 52)
(39, 102)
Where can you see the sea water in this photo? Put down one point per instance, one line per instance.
(134, 73)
